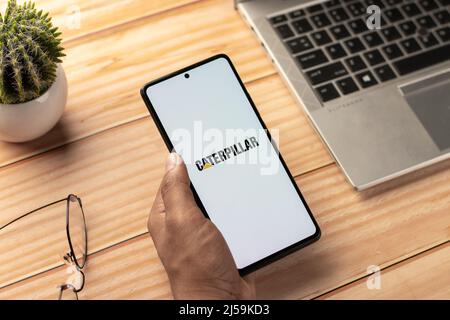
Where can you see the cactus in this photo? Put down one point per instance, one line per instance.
(30, 48)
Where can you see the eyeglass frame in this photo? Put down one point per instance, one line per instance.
(71, 255)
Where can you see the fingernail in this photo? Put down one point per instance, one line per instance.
(172, 161)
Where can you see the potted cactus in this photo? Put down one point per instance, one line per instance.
(33, 86)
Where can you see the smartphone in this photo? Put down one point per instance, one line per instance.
(239, 179)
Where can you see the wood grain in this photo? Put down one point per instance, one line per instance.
(76, 18)
(112, 156)
(117, 174)
(106, 70)
(422, 277)
(126, 271)
(380, 227)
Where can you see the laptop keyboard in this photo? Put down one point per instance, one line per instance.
(340, 55)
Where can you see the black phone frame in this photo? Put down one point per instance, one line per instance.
(279, 254)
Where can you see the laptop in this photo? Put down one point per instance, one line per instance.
(378, 94)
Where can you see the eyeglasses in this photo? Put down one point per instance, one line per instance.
(77, 240)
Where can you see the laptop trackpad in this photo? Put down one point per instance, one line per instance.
(430, 100)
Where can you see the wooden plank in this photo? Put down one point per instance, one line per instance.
(106, 70)
(77, 18)
(131, 270)
(425, 276)
(117, 174)
(379, 227)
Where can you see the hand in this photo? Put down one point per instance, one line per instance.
(194, 253)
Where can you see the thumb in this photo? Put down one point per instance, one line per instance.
(175, 187)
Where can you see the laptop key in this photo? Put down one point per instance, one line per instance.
(422, 60)
(408, 28)
(327, 92)
(332, 3)
(372, 39)
(321, 20)
(355, 63)
(444, 34)
(358, 26)
(383, 22)
(354, 45)
(426, 22)
(385, 73)
(338, 14)
(285, 31)
(340, 32)
(321, 37)
(411, 9)
(428, 5)
(302, 26)
(392, 51)
(391, 33)
(375, 2)
(442, 16)
(356, 9)
(393, 2)
(327, 73)
(394, 15)
(278, 19)
(314, 8)
(374, 57)
(410, 45)
(298, 45)
(336, 51)
(297, 14)
(347, 85)
(428, 40)
(311, 59)
(366, 79)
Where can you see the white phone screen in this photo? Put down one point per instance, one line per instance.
(235, 170)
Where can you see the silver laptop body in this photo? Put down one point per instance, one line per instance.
(375, 133)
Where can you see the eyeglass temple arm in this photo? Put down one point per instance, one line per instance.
(67, 287)
(31, 212)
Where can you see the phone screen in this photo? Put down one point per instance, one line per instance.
(237, 173)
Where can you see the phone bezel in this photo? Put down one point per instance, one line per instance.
(279, 254)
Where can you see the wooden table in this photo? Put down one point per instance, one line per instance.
(107, 150)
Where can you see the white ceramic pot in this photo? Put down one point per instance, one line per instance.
(30, 120)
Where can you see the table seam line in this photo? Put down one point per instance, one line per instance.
(385, 268)
(128, 239)
(390, 266)
(62, 264)
(117, 125)
(125, 23)
(132, 237)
